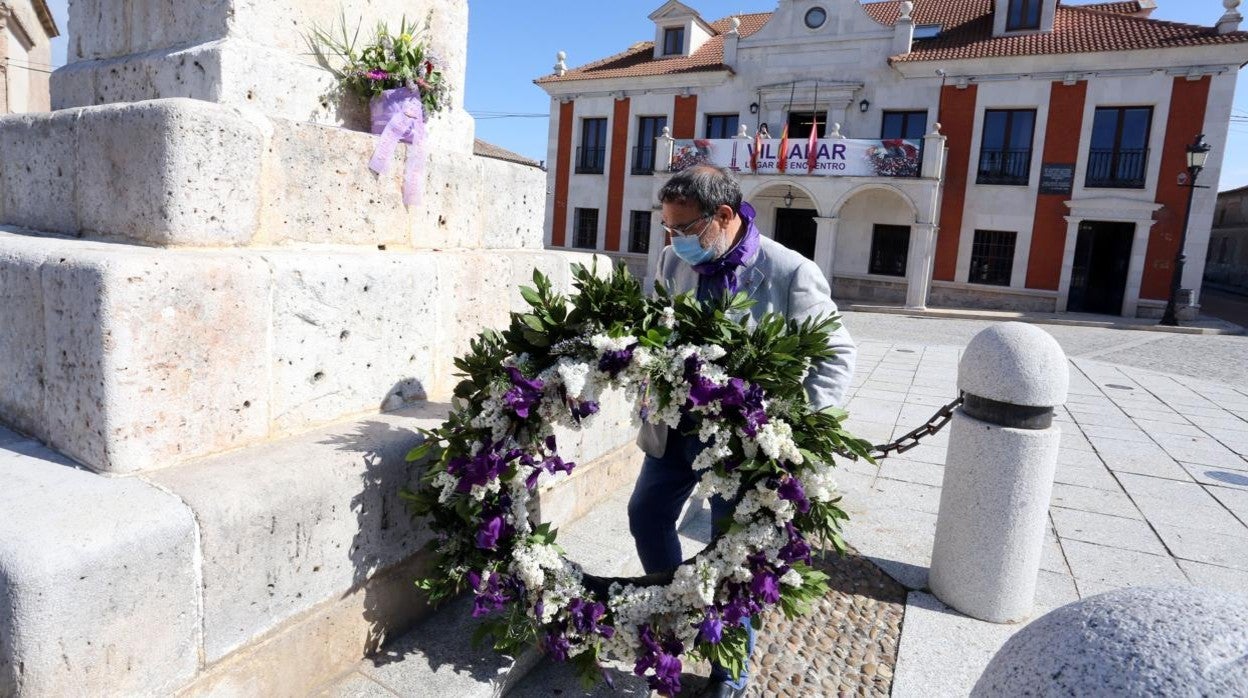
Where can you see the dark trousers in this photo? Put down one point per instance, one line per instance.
(661, 490)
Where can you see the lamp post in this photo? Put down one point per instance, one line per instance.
(1197, 153)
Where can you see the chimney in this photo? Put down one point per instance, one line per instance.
(903, 30)
(1231, 19)
(730, 43)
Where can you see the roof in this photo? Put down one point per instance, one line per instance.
(489, 150)
(966, 32)
(638, 60)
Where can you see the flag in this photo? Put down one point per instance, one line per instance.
(758, 145)
(812, 144)
(782, 164)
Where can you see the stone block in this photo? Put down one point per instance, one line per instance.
(37, 171)
(98, 579)
(353, 333)
(102, 29)
(169, 172)
(288, 525)
(1138, 642)
(152, 358)
(22, 346)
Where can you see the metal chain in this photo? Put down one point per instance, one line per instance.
(934, 424)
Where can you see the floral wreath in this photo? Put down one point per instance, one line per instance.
(676, 357)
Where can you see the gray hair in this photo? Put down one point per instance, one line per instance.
(705, 185)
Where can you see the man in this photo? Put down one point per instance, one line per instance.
(717, 249)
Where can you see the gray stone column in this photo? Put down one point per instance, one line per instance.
(1002, 454)
(825, 244)
(919, 264)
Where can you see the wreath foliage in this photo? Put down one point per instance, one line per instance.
(678, 358)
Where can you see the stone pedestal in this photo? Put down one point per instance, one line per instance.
(226, 328)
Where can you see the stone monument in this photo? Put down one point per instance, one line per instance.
(217, 329)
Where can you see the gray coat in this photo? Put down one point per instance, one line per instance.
(780, 281)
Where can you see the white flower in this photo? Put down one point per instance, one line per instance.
(819, 484)
(447, 484)
(668, 318)
(791, 578)
(775, 438)
(573, 375)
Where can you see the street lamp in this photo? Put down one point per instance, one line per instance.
(788, 198)
(1197, 154)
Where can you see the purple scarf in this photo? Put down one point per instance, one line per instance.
(719, 275)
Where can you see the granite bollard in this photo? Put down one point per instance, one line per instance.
(999, 469)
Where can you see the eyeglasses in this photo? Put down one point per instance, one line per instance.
(683, 230)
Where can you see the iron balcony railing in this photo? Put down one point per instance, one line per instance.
(1004, 166)
(590, 160)
(643, 159)
(1118, 169)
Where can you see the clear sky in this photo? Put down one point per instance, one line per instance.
(510, 43)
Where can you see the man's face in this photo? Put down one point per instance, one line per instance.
(686, 218)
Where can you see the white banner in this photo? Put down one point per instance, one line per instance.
(833, 157)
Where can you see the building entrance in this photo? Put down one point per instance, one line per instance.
(795, 229)
(1099, 275)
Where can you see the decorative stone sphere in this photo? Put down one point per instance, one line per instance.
(1160, 641)
(1230, 4)
(561, 56)
(1016, 363)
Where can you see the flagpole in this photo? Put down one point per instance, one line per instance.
(813, 141)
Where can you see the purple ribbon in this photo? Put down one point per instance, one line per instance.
(719, 275)
(407, 124)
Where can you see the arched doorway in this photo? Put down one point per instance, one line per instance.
(882, 252)
(787, 213)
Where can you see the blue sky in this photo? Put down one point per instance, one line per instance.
(506, 52)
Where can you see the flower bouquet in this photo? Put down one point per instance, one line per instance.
(894, 158)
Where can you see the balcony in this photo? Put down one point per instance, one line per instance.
(1117, 169)
(643, 159)
(590, 160)
(1004, 167)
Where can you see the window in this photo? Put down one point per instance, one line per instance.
(910, 125)
(1005, 148)
(593, 151)
(722, 125)
(639, 232)
(800, 123)
(889, 246)
(586, 234)
(926, 31)
(673, 41)
(992, 257)
(648, 129)
(815, 17)
(1119, 154)
(1023, 14)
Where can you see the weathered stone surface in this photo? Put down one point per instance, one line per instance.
(168, 172)
(37, 171)
(97, 581)
(152, 357)
(1016, 363)
(22, 346)
(352, 333)
(1160, 641)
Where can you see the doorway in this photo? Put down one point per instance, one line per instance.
(795, 229)
(1098, 277)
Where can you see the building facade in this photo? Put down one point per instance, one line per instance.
(1052, 137)
(26, 32)
(1226, 262)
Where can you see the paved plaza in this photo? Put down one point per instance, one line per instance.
(1151, 485)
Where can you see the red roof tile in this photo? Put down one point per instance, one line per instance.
(966, 32)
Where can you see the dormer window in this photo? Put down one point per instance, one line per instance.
(926, 31)
(1023, 15)
(673, 41)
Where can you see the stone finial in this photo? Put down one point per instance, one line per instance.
(667, 133)
(1017, 363)
(736, 25)
(561, 66)
(1141, 641)
(906, 8)
(836, 131)
(935, 129)
(742, 130)
(1229, 21)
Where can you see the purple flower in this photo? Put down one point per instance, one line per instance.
(551, 464)
(488, 599)
(487, 465)
(701, 390)
(766, 586)
(524, 393)
(586, 616)
(557, 646)
(490, 531)
(377, 74)
(663, 658)
(797, 548)
(613, 361)
(711, 629)
(581, 410)
(745, 401)
(792, 490)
